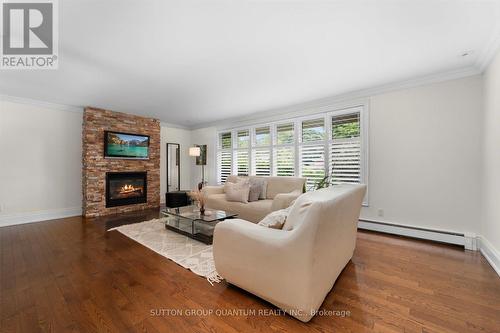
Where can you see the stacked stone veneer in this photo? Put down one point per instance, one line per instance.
(95, 166)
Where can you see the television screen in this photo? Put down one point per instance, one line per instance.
(125, 145)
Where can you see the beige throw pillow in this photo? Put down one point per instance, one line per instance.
(275, 219)
(237, 191)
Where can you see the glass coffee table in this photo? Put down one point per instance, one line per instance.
(188, 221)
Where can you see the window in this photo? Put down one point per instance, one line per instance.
(261, 151)
(285, 161)
(262, 162)
(243, 139)
(242, 163)
(285, 134)
(225, 140)
(328, 144)
(345, 149)
(284, 150)
(263, 136)
(224, 157)
(313, 130)
(242, 155)
(312, 164)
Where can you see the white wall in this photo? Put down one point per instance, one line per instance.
(205, 136)
(181, 136)
(491, 158)
(425, 155)
(40, 162)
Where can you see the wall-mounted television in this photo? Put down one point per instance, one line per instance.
(126, 145)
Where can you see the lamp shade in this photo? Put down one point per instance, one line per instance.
(194, 151)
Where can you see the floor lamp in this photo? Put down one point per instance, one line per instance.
(196, 152)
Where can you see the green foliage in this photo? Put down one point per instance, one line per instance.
(313, 134)
(324, 182)
(285, 137)
(346, 130)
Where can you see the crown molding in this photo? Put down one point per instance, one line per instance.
(170, 125)
(486, 56)
(48, 105)
(347, 99)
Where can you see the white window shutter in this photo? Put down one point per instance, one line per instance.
(261, 162)
(224, 161)
(284, 161)
(312, 164)
(345, 149)
(242, 162)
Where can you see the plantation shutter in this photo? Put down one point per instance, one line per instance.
(262, 162)
(224, 157)
(284, 161)
(242, 162)
(345, 149)
(224, 161)
(312, 164)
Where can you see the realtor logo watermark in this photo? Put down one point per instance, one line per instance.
(29, 34)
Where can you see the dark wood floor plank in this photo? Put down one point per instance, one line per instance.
(71, 275)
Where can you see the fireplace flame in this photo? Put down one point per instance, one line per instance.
(128, 189)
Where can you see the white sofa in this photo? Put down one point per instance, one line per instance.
(293, 268)
(281, 191)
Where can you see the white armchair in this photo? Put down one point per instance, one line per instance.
(296, 267)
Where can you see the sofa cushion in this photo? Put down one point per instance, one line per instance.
(252, 211)
(276, 185)
(237, 191)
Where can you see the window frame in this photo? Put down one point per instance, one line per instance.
(298, 143)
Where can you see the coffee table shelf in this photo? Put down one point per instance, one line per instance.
(190, 222)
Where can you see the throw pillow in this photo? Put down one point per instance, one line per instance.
(254, 193)
(275, 219)
(237, 192)
(263, 184)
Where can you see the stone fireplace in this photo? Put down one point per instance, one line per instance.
(118, 185)
(126, 188)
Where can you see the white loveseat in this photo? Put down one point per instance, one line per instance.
(280, 192)
(293, 268)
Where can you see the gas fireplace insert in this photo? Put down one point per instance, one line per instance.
(125, 188)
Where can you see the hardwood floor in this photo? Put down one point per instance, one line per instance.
(72, 275)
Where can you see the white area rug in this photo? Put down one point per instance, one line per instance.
(187, 252)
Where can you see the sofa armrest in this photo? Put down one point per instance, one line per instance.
(270, 263)
(244, 249)
(283, 200)
(209, 190)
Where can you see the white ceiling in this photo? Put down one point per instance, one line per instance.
(193, 62)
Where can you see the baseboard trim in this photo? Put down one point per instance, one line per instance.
(415, 232)
(490, 253)
(38, 216)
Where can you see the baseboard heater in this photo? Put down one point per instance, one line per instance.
(467, 241)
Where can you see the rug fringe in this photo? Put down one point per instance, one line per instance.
(214, 277)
